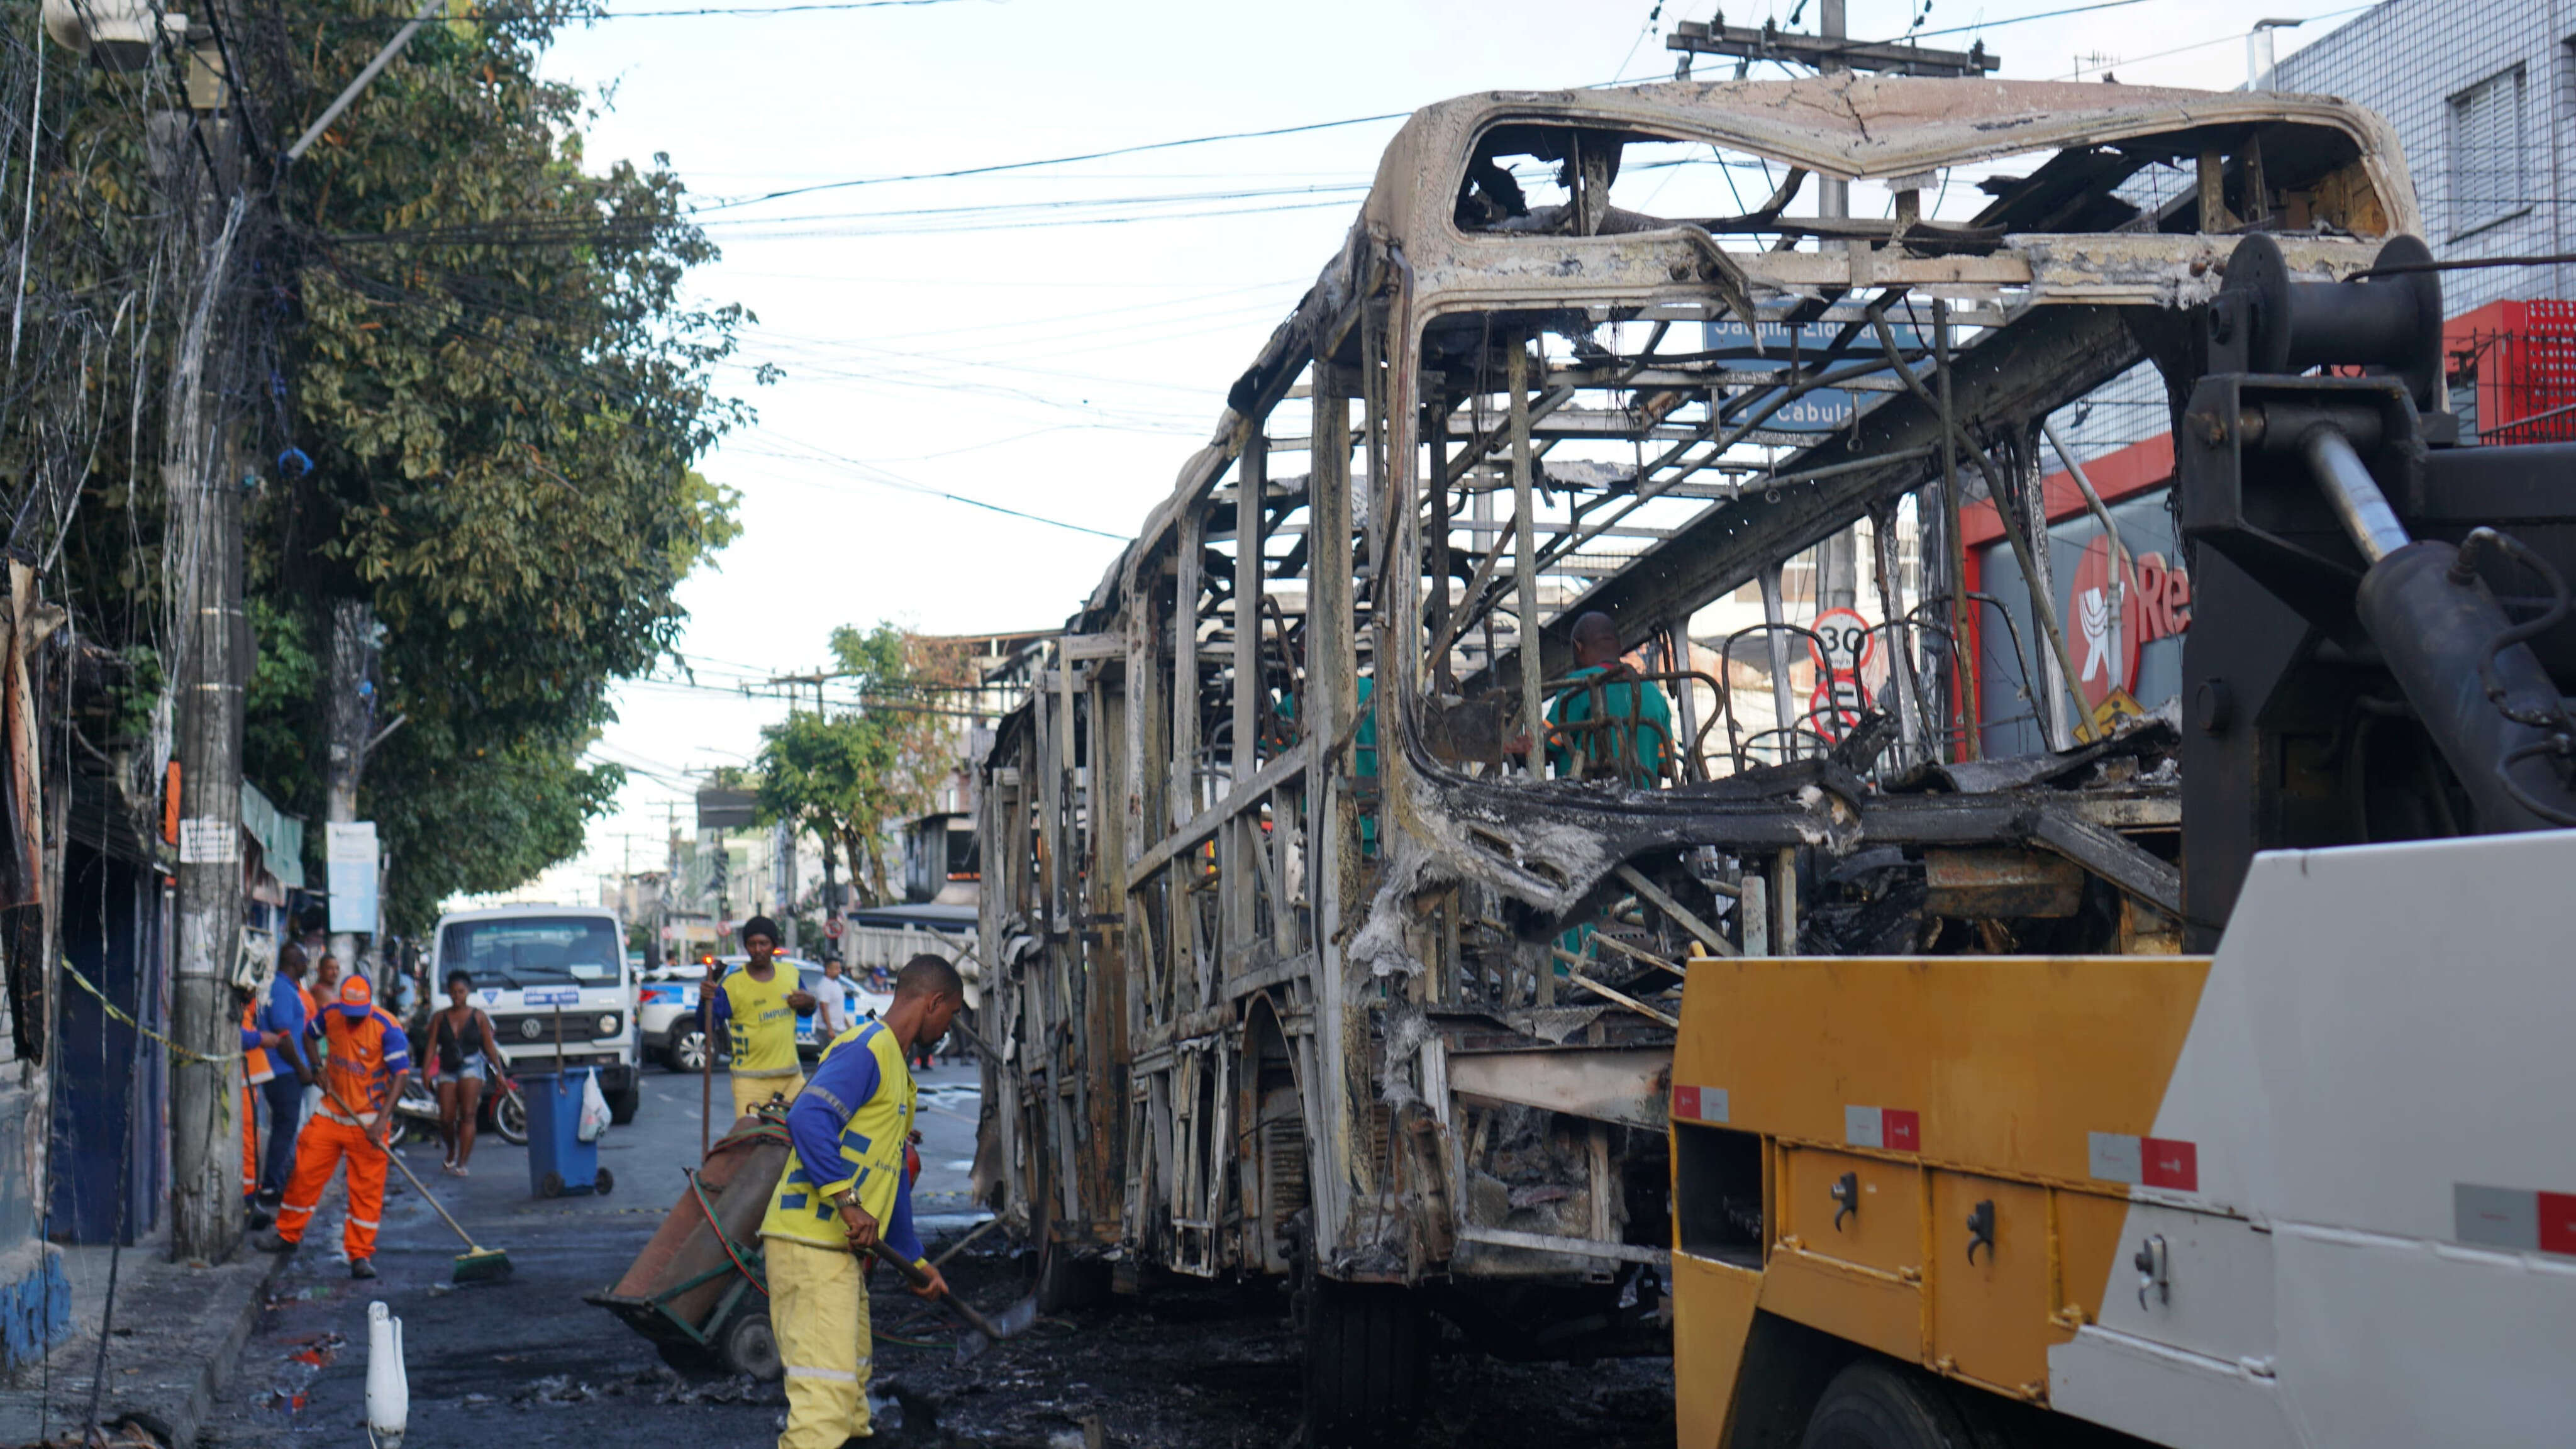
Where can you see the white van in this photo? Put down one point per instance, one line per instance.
(555, 981)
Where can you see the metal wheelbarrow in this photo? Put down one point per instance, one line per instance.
(698, 1290)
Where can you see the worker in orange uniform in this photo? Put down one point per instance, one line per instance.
(365, 1056)
(257, 1071)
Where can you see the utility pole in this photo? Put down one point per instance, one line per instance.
(671, 885)
(1838, 561)
(196, 156)
(782, 867)
(1747, 44)
(1830, 50)
(783, 842)
(347, 718)
(200, 469)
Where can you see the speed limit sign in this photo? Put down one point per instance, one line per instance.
(1844, 644)
(1844, 648)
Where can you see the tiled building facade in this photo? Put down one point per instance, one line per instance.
(2483, 100)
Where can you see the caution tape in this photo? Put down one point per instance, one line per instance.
(183, 1053)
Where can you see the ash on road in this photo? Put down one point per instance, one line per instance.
(527, 1362)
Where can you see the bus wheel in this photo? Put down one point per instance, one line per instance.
(1367, 1354)
(1067, 1283)
(1877, 1406)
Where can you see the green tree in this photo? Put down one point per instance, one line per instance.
(464, 380)
(854, 777)
(502, 391)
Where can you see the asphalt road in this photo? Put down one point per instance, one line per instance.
(1184, 1365)
(527, 1359)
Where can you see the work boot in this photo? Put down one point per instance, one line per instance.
(254, 1219)
(362, 1267)
(272, 1243)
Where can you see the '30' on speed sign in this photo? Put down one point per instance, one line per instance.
(1845, 652)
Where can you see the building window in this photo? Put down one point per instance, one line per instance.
(2488, 179)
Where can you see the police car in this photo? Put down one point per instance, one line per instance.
(667, 1010)
(555, 981)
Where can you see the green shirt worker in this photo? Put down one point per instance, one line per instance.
(844, 1194)
(755, 1019)
(1636, 754)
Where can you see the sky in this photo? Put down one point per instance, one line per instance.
(1056, 340)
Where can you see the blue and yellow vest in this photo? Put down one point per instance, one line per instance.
(872, 1139)
(763, 1025)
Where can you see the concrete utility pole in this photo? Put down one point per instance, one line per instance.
(1838, 562)
(783, 871)
(346, 721)
(1831, 49)
(1768, 41)
(671, 886)
(201, 470)
(196, 157)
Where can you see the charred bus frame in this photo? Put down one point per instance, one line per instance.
(1300, 963)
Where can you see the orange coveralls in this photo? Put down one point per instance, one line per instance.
(366, 1054)
(256, 1069)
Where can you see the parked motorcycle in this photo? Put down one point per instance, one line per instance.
(503, 1112)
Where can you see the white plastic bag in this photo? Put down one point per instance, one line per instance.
(594, 1110)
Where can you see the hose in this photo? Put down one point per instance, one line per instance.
(758, 1280)
(2557, 746)
(2464, 570)
(2560, 745)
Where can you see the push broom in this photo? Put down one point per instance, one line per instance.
(477, 1264)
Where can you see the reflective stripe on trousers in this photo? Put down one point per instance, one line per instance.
(818, 1306)
(318, 1150)
(250, 1143)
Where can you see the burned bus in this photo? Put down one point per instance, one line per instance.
(1573, 586)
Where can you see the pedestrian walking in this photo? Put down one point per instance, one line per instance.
(462, 1046)
(847, 1192)
(363, 1058)
(764, 1001)
(285, 1011)
(832, 1004)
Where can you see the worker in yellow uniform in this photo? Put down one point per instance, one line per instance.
(754, 1017)
(845, 1193)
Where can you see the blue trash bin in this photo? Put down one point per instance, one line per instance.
(559, 1162)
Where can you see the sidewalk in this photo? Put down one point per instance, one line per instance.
(177, 1332)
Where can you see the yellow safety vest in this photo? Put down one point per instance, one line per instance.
(872, 1139)
(763, 1025)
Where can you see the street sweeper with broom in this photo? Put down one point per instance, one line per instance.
(845, 1196)
(364, 1059)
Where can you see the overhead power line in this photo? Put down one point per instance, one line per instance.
(569, 15)
(870, 473)
(2015, 20)
(772, 9)
(2229, 38)
(1003, 166)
